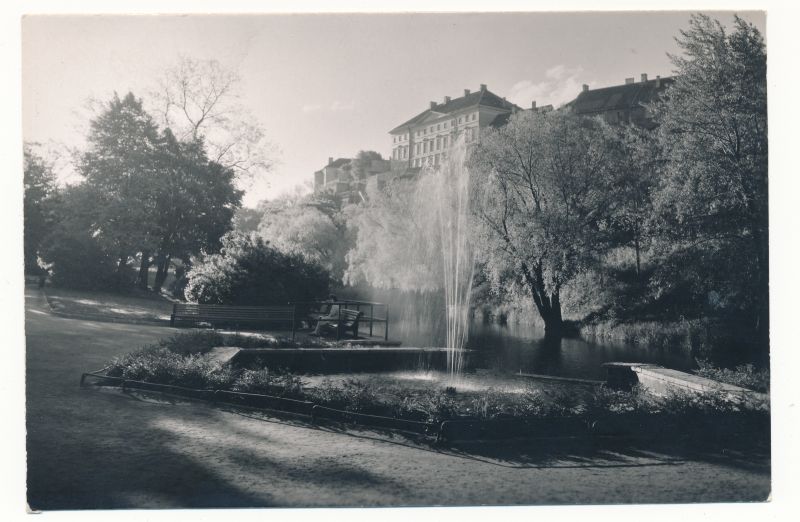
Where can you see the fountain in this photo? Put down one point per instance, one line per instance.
(444, 194)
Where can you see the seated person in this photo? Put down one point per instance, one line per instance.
(325, 308)
(330, 315)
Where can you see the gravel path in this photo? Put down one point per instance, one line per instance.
(91, 449)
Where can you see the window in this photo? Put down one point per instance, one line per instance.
(438, 126)
(460, 119)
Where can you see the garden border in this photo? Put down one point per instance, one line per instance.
(641, 426)
(271, 403)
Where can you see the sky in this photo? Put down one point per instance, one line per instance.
(331, 85)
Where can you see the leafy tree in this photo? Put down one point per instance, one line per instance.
(711, 204)
(40, 188)
(248, 271)
(543, 194)
(72, 251)
(303, 228)
(359, 167)
(120, 169)
(389, 250)
(246, 220)
(195, 203)
(630, 216)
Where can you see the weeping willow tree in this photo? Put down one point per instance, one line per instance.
(545, 180)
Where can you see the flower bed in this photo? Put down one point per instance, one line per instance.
(183, 361)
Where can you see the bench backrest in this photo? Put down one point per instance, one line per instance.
(232, 312)
(350, 316)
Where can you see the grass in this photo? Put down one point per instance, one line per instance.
(689, 336)
(137, 305)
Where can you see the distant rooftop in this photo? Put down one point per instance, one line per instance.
(619, 97)
(483, 97)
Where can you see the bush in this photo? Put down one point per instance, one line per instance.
(77, 261)
(188, 343)
(350, 394)
(269, 382)
(162, 366)
(745, 375)
(248, 271)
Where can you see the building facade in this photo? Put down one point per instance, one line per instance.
(425, 139)
(337, 178)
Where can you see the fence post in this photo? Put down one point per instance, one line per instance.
(386, 330)
(339, 324)
(294, 319)
(371, 317)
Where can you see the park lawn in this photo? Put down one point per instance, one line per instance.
(139, 306)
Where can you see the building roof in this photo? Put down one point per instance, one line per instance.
(618, 97)
(339, 162)
(483, 97)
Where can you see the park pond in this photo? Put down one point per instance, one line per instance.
(522, 348)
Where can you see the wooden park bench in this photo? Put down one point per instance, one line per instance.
(229, 315)
(348, 321)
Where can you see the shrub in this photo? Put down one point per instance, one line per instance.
(77, 261)
(186, 343)
(435, 405)
(161, 366)
(746, 375)
(269, 382)
(248, 271)
(350, 395)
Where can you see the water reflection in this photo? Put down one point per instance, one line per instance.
(518, 348)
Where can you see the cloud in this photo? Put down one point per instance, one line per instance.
(336, 106)
(560, 85)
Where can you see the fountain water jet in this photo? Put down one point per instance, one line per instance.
(446, 191)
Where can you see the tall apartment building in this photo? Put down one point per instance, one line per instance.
(426, 138)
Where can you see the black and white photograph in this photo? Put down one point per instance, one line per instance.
(395, 259)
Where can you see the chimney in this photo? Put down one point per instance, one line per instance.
(585, 87)
(658, 82)
(466, 92)
(533, 104)
(330, 160)
(433, 105)
(628, 81)
(447, 99)
(483, 87)
(644, 77)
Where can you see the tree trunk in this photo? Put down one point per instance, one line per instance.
(161, 271)
(548, 304)
(144, 271)
(121, 266)
(761, 240)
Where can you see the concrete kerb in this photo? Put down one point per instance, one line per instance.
(661, 381)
